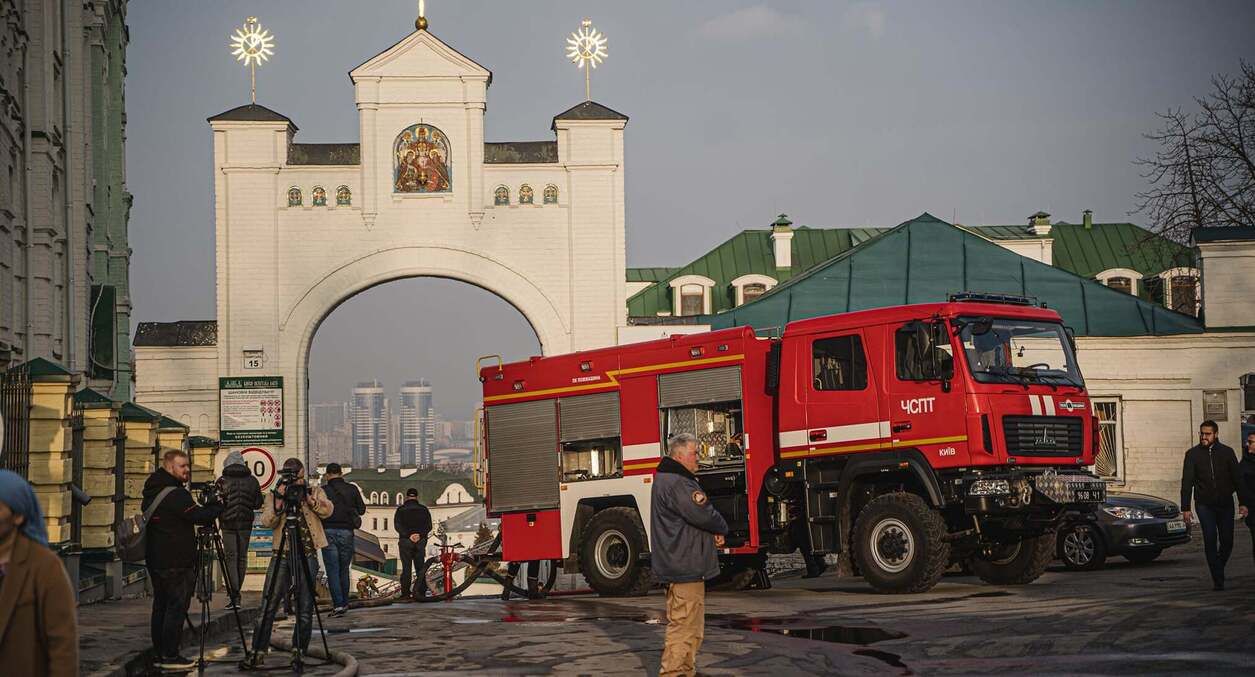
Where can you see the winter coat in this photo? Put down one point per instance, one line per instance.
(1247, 468)
(348, 504)
(38, 632)
(1211, 474)
(273, 519)
(241, 495)
(412, 517)
(683, 525)
(170, 542)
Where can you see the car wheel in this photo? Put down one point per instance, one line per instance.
(1081, 548)
(1143, 556)
(1017, 563)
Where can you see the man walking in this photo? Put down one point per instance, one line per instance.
(685, 530)
(1211, 475)
(1247, 466)
(347, 516)
(241, 495)
(413, 523)
(170, 553)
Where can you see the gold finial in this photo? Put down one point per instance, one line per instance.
(586, 48)
(252, 44)
(421, 22)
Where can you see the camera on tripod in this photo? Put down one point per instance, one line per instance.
(291, 489)
(207, 492)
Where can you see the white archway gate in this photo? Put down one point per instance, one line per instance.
(303, 227)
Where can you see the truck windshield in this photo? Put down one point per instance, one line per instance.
(1004, 350)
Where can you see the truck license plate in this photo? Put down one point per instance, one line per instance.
(1090, 495)
(1175, 526)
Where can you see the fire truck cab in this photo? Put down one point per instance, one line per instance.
(909, 437)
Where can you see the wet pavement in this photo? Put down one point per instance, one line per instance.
(1160, 618)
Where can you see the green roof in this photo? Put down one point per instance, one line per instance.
(749, 252)
(135, 412)
(924, 260)
(1020, 232)
(92, 398)
(1089, 251)
(430, 482)
(648, 274)
(200, 441)
(165, 422)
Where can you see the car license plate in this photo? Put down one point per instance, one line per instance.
(1175, 526)
(1090, 495)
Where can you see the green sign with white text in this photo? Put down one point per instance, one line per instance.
(250, 410)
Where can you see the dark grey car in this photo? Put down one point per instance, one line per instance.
(1135, 526)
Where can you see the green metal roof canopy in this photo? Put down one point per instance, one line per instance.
(924, 260)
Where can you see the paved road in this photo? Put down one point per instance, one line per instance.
(1157, 618)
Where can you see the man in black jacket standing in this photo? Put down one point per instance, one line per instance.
(1247, 466)
(1211, 475)
(241, 495)
(413, 523)
(170, 553)
(347, 516)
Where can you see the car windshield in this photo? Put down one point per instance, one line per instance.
(1004, 350)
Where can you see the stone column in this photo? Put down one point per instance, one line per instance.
(100, 434)
(140, 424)
(173, 435)
(50, 468)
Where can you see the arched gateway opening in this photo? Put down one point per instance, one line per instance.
(390, 373)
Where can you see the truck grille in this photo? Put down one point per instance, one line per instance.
(1043, 435)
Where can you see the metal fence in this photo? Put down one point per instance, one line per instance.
(15, 407)
(76, 455)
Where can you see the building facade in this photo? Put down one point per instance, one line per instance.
(64, 207)
(371, 421)
(417, 424)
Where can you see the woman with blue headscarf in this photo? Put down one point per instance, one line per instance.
(38, 625)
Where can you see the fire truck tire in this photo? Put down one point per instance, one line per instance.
(610, 554)
(899, 543)
(1018, 565)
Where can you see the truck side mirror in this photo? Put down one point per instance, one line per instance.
(1071, 337)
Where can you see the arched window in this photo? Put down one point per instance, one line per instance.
(344, 197)
(1124, 284)
(1181, 290)
(421, 161)
(551, 194)
(1121, 279)
(525, 195)
(374, 497)
(400, 498)
(294, 197)
(501, 196)
(319, 196)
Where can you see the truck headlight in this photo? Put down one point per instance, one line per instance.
(989, 488)
(1122, 513)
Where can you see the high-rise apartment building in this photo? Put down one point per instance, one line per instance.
(417, 424)
(369, 415)
(326, 417)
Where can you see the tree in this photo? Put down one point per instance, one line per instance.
(1203, 175)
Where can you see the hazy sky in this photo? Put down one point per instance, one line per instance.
(838, 113)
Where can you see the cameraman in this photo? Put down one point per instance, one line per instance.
(338, 555)
(315, 506)
(241, 495)
(170, 553)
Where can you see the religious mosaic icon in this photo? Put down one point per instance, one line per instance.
(551, 194)
(344, 198)
(319, 196)
(421, 161)
(501, 196)
(525, 195)
(294, 197)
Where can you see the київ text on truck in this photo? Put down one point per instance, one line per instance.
(910, 438)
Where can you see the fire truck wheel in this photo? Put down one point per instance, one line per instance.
(1016, 564)
(900, 543)
(610, 553)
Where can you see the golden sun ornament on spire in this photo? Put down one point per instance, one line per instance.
(252, 45)
(586, 48)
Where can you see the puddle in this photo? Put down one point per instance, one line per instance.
(805, 628)
(891, 659)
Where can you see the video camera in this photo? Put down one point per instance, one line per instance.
(288, 489)
(207, 492)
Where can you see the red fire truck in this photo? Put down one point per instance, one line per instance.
(910, 438)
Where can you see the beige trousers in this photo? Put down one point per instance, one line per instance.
(686, 626)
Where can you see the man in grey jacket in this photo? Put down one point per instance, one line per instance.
(685, 530)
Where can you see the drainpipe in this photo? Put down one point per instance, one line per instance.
(28, 343)
(71, 355)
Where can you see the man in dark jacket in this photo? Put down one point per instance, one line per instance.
(170, 553)
(1211, 475)
(347, 516)
(684, 530)
(413, 523)
(1247, 466)
(241, 495)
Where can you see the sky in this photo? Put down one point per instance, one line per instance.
(837, 113)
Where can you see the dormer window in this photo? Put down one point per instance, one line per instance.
(746, 288)
(1121, 279)
(752, 291)
(691, 295)
(1181, 290)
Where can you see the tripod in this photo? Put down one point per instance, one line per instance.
(208, 549)
(291, 554)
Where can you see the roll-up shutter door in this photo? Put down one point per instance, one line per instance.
(699, 387)
(523, 455)
(589, 417)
